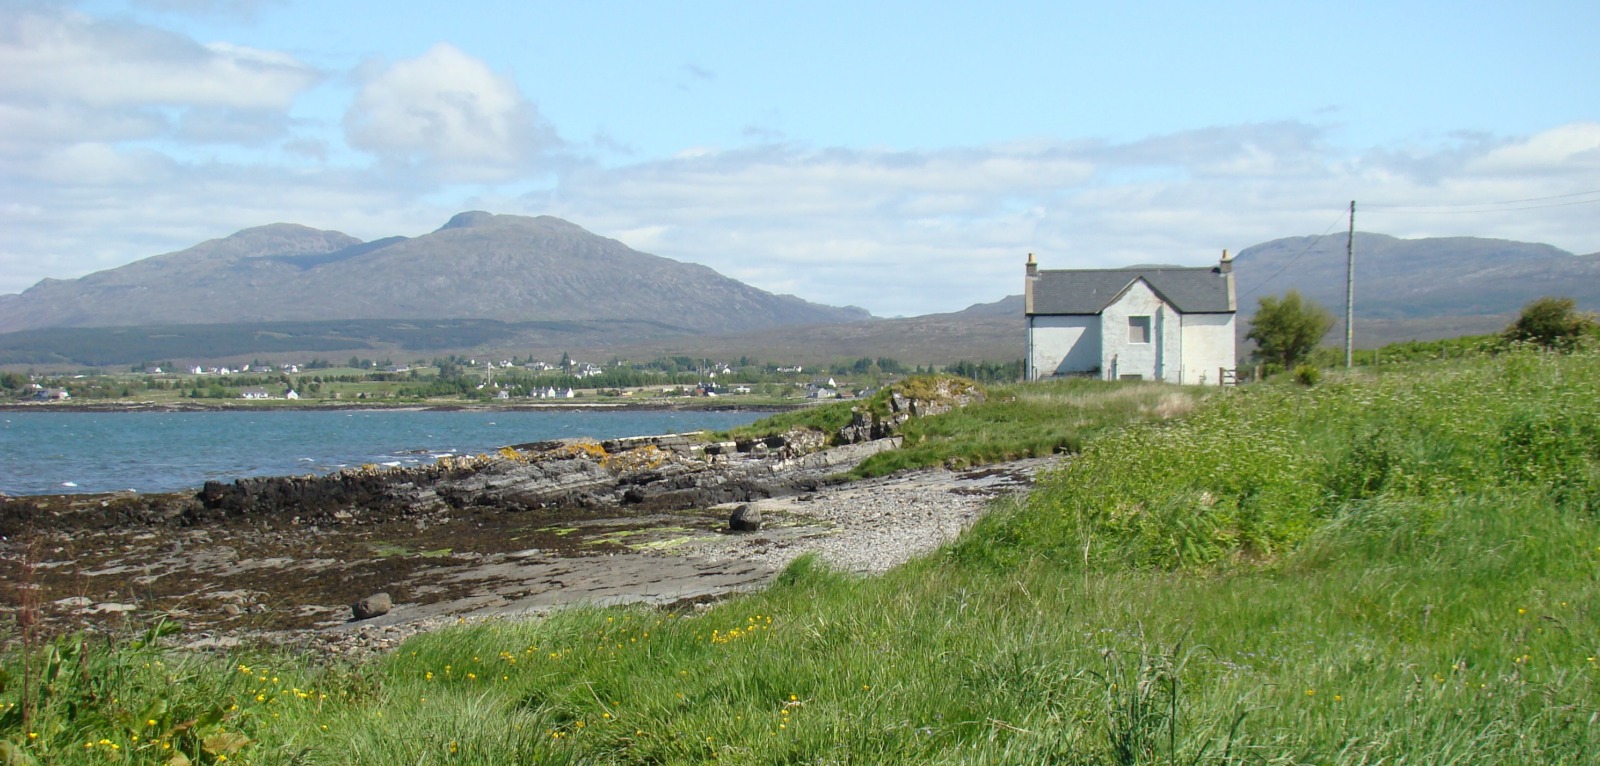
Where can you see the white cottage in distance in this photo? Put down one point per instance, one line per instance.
(1168, 323)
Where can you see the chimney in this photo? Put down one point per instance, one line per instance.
(1227, 263)
(1027, 285)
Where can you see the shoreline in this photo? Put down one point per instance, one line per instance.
(339, 406)
(239, 578)
(663, 520)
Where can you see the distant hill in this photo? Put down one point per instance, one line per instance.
(990, 333)
(1406, 289)
(478, 266)
(1417, 278)
(513, 285)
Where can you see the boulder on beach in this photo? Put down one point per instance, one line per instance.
(745, 519)
(375, 605)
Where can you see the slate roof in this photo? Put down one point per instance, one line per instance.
(1191, 290)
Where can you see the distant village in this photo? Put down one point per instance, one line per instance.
(505, 380)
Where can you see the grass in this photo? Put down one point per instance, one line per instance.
(1034, 420)
(1378, 569)
(1013, 422)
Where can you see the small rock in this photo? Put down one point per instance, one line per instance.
(372, 606)
(745, 519)
(232, 610)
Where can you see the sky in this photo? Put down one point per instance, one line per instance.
(900, 157)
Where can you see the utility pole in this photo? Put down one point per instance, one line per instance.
(1350, 290)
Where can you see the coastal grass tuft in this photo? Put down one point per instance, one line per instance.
(1377, 569)
(1034, 420)
(1011, 423)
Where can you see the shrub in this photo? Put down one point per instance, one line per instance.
(1552, 323)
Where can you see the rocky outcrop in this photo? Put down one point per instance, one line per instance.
(929, 396)
(653, 473)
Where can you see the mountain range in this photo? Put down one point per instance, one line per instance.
(477, 266)
(514, 284)
(1399, 279)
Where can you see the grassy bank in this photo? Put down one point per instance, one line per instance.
(1387, 569)
(1010, 423)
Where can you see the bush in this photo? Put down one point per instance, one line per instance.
(1307, 374)
(1552, 323)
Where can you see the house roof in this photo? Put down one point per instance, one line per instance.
(1191, 290)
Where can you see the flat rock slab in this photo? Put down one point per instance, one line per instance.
(282, 581)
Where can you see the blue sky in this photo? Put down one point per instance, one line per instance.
(904, 157)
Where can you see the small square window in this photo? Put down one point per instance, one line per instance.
(1138, 329)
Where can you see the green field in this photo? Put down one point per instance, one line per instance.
(1394, 568)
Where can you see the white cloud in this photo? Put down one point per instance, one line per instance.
(915, 232)
(73, 58)
(1570, 149)
(76, 86)
(447, 111)
(899, 232)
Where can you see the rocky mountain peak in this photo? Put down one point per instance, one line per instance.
(467, 220)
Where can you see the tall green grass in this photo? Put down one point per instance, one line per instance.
(1011, 423)
(1394, 569)
(1034, 420)
(1257, 472)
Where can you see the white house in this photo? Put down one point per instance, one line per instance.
(254, 393)
(1169, 323)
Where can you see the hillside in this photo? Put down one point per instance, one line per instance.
(1416, 278)
(986, 331)
(477, 266)
(1406, 289)
(514, 285)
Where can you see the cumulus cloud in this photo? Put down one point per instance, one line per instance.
(73, 79)
(448, 112)
(899, 232)
(71, 57)
(914, 232)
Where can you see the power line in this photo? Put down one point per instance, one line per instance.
(1488, 205)
(1291, 262)
(1419, 211)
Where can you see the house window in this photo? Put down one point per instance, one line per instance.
(1138, 329)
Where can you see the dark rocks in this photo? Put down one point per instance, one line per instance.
(944, 395)
(375, 605)
(658, 473)
(745, 519)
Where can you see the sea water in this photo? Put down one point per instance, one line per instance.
(84, 452)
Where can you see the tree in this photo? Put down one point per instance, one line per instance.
(1550, 322)
(1286, 330)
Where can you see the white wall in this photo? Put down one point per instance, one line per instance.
(1181, 349)
(1208, 344)
(1063, 345)
(1156, 359)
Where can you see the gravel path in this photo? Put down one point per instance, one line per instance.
(864, 527)
(874, 525)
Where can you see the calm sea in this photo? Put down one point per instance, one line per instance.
(71, 452)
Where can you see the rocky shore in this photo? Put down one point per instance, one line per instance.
(520, 531)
